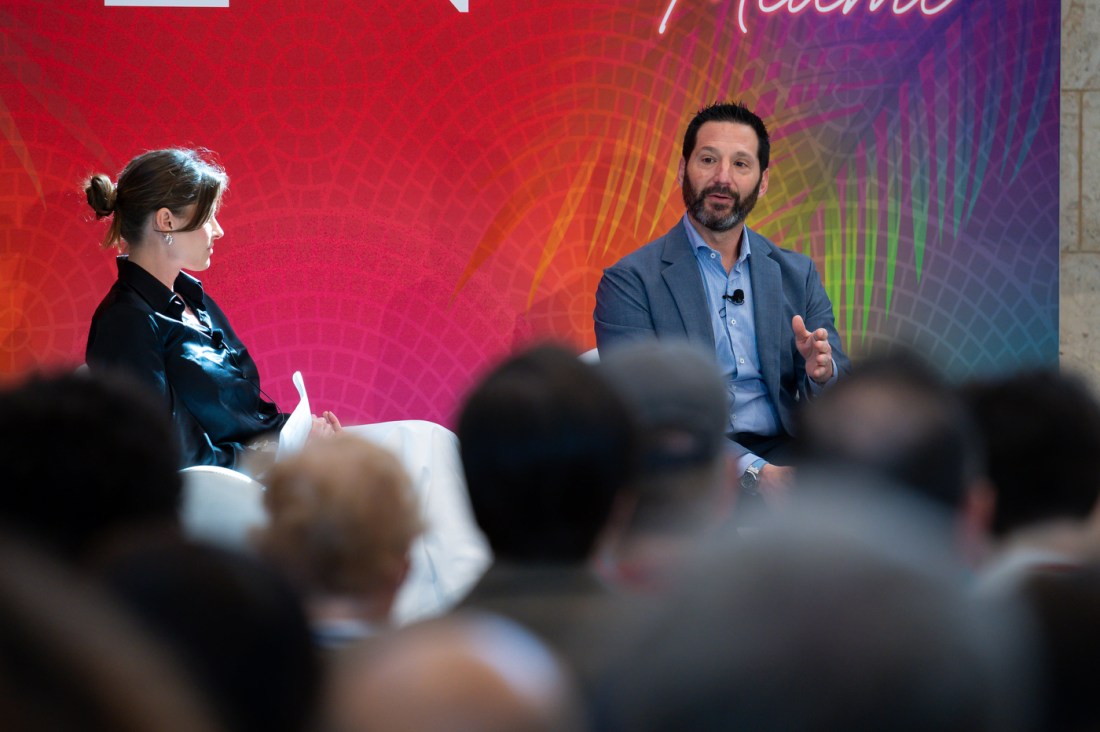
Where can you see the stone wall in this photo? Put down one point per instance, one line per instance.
(1079, 327)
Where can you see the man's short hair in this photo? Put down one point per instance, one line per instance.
(730, 112)
(546, 446)
(84, 455)
(894, 417)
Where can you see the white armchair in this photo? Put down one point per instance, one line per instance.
(223, 506)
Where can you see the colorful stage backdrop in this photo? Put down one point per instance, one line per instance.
(417, 190)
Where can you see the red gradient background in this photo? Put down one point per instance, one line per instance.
(417, 191)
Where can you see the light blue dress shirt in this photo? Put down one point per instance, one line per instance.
(734, 328)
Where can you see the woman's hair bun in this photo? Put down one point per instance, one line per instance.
(101, 193)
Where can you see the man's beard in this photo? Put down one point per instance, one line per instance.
(696, 203)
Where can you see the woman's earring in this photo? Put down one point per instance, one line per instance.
(168, 239)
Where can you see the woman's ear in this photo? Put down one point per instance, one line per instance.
(163, 220)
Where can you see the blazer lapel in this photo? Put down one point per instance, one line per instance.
(686, 285)
(767, 291)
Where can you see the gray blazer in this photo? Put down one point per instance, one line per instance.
(657, 291)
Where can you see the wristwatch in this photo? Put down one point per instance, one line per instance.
(750, 481)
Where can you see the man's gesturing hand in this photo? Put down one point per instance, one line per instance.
(815, 348)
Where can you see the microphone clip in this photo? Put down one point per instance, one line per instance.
(737, 298)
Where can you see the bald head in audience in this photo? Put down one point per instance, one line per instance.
(463, 673)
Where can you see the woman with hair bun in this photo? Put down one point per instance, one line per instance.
(158, 323)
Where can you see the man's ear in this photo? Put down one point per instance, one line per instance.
(764, 182)
(680, 172)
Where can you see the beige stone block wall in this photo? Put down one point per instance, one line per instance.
(1079, 205)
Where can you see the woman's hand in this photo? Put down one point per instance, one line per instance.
(333, 422)
(324, 426)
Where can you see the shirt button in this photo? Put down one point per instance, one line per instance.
(713, 255)
(733, 321)
(740, 360)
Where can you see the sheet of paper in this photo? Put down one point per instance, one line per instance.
(293, 436)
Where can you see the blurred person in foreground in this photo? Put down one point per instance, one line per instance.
(685, 489)
(548, 448)
(1041, 431)
(342, 519)
(848, 613)
(87, 458)
(895, 422)
(463, 672)
(72, 660)
(232, 623)
(1066, 604)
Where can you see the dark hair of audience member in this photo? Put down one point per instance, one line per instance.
(546, 446)
(1042, 439)
(729, 112)
(895, 417)
(172, 179)
(233, 623)
(70, 660)
(84, 456)
(1066, 604)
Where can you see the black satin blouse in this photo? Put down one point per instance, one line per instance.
(207, 379)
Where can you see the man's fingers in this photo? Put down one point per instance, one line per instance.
(799, 327)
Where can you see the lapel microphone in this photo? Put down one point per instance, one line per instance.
(737, 298)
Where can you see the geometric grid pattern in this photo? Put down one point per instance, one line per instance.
(416, 191)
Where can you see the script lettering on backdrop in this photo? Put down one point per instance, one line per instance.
(927, 8)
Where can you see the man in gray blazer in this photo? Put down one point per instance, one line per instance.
(765, 317)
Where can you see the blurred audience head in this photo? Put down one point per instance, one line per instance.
(342, 518)
(680, 401)
(69, 659)
(684, 487)
(234, 624)
(462, 672)
(895, 418)
(547, 445)
(1041, 431)
(85, 456)
(820, 624)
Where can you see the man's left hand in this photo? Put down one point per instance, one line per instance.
(815, 349)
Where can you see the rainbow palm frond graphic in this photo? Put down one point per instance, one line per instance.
(888, 131)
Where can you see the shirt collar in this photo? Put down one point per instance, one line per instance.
(153, 291)
(697, 242)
